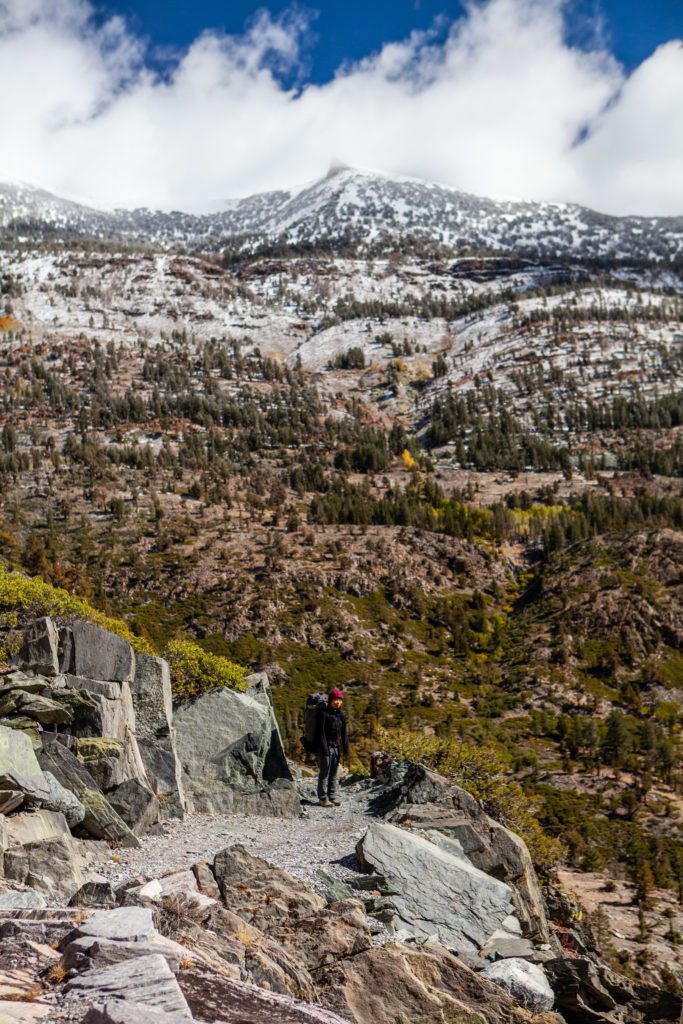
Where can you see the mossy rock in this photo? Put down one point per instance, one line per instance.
(84, 709)
(102, 821)
(92, 748)
(26, 725)
(34, 706)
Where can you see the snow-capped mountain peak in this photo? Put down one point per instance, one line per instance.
(351, 206)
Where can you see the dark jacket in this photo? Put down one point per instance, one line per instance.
(331, 731)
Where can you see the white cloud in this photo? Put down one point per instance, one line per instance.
(634, 158)
(496, 108)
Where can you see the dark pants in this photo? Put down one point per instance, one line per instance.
(327, 776)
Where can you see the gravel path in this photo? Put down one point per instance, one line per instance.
(324, 839)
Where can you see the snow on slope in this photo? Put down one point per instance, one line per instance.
(355, 206)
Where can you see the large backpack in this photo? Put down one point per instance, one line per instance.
(314, 702)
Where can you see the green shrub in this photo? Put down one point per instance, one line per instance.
(478, 770)
(33, 596)
(194, 670)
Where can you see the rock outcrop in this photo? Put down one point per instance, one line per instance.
(257, 944)
(268, 943)
(40, 647)
(39, 852)
(21, 778)
(526, 982)
(412, 793)
(153, 704)
(96, 654)
(113, 711)
(231, 753)
(460, 906)
(100, 819)
(88, 749)
(396, 983)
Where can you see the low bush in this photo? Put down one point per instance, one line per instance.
(194, 670)
(23, 597)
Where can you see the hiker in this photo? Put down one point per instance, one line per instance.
(331, 742)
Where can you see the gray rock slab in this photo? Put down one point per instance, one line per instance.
(10, 799)
(89, 952)
(94, 894)
(153, 703)
(98, 686)
(334, 890)
(123, 1011)
(121, 923)
(506, 855)
(152, 696)
(165, 774)
(213, 997)
(146, 979)
(206, 880)
(447, 842)
(230, 741)
(34, 827)
(136, 804)
(503, 946)
(28, 726)
(22, 900)
(62, 917)
(18, 680)
(527, 983)
(276, 765)
(66, 649)
(460, 903)
(98, 654)
(409, 784)
(512, 925)
(179, 883)
(19, 768)
(50, 865)
(45, 925)
(431, 801)
(63, 800)
(40, 648)
(101, 820)
(35, 706)
(108, 772)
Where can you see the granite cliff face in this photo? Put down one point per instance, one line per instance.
(88, 743)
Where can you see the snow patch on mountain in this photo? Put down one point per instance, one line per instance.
(352, 206)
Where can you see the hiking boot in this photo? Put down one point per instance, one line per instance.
(335, 802)
(325, 803)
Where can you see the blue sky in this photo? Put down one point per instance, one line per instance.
(186, 105)
(350, 30)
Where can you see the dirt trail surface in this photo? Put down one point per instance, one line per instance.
(324, 839)
(321, 839)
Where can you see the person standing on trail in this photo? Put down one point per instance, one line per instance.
(331, 742)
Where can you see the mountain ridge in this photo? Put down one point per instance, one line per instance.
(352, 207)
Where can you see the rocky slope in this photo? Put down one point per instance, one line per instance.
(203, 939)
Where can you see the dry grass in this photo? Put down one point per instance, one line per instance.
(56, 973)
(30, 995)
